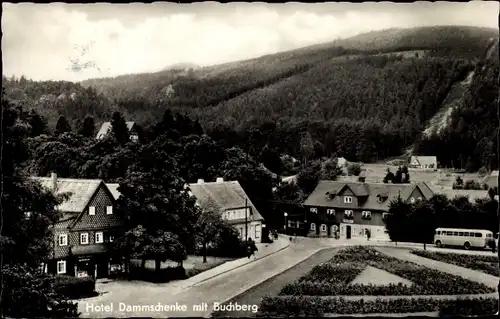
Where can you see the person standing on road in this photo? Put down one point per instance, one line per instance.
(251, 248)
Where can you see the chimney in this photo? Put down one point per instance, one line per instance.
(53, 178)
(200, 181)
(220, 179)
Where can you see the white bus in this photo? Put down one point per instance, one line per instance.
(467, 238)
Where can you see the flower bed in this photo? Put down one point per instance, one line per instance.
(486, 264)
(333, 278)
(295, 306)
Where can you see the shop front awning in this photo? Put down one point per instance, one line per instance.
(82, 250)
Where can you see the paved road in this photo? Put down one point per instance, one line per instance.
(273, 286)
(218, 289)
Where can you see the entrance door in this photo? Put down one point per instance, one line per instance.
(348, 232)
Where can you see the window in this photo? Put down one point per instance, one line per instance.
(347, 199)
(412, 200)
(257, 231)
(99, 238)
(366, 215)
(291, 223)
(109, 210)
(466, 234)
(449, 233)
(455, 233)
(84, 238)
(384, 216)
(92, 210)
(438, 232)
(420, 199)
(313, 226)
(109, 238)
(380, 199)
(323, 227)
(460, 233)
(348, 214)
(63, 240)
(61, 266)
(313, 210)
(478, 235)
(330, 211)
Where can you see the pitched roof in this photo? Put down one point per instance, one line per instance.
(472, 194)
(425, 160)
(106, 127)
(370, 191)
(113, 188)
(80, 192)
(223, 195)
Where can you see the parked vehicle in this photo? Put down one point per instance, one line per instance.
(466, 238)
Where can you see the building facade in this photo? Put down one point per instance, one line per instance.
(229, 198)
(83, 236)
(106, 128)
(351, 209)
(424, 162)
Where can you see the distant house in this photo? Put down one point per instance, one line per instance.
(229, 198)
(342, 162)
(491, 180)
(353, 208)
(89, 223)
(423, 162)
(106, 129)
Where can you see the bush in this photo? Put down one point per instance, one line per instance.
(354, 169)
(486, 264)
(318, 306)
(74, 287)
(161, 276)
(482, 172)
(471, 184)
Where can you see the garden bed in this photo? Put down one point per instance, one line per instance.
(300, 306)
(486, 264)
(334, 278)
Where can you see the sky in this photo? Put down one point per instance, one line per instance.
(74, 42)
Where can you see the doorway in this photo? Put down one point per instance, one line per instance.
(348, 232)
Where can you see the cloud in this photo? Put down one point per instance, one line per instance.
(64, 42)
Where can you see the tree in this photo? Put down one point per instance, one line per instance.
(271, 159)
(62, 126)
(37, 123)
(397, 220)
(308, 178)
(208, 226)
(389, 177)
(119, 128)
(354, 169)
(330, 170)
(26, 237)
(306, 147)
(88, 127)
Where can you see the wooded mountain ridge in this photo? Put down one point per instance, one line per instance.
(364, 98)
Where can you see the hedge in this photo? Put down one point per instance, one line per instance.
(486, 264)
(333, 278)
(74, 287)
(299, 306)
(161, 276)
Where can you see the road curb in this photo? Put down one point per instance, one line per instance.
(239, 266)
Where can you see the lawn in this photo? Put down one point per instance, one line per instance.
(486, 264)
(320, 291)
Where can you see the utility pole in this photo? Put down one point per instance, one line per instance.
(246, 219)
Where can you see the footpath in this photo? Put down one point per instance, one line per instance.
(264, 250)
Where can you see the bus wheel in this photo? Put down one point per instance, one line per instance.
(438, 243)
(467, 245)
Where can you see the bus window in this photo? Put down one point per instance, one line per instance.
(455, 233)
(488, 235)
(438, 232)
(478, 235)
(461, 233)
(466, 234)
(449, 233)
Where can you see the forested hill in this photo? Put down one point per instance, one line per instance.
(365, 98)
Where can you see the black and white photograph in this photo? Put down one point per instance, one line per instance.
(271, 160)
